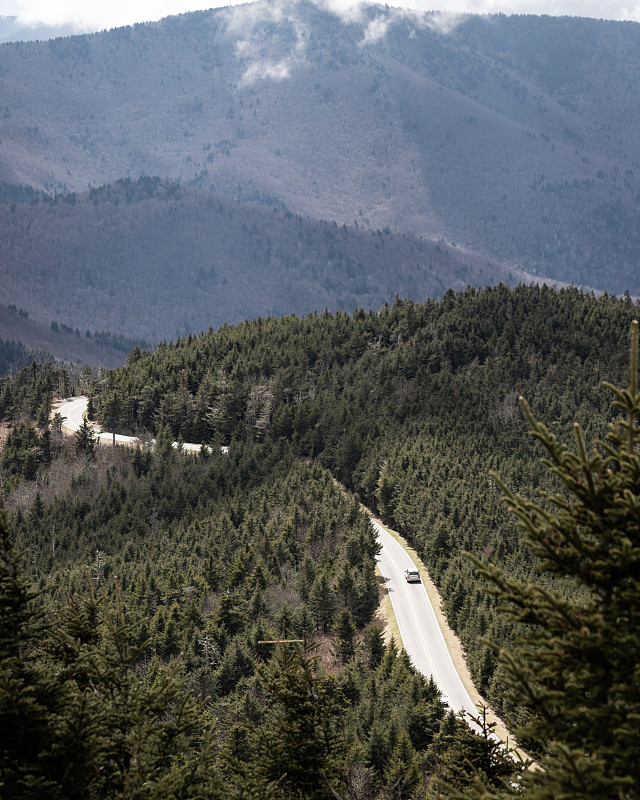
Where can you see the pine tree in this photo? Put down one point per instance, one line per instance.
(385, 493)
(322, 602)
(577, 667)
(56, 422)
(345, 631)
(85, 439)
(373, 641)
(403, 775)
(300, 754)
(111, 413)
(28, 692)
(78, 720)
(477, 764)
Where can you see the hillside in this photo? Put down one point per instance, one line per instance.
(201, 562)
(151, 259)
(515, 137)
(409, 407)
(23, 338)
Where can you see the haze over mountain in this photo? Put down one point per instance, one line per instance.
(513, 137)
(158, 261)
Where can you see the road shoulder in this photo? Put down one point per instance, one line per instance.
(453, 643)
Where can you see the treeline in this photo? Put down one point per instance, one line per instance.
(106, 338)
(410, 407)
(30, 393)
(117, 341)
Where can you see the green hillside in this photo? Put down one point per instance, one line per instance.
(410, 408)
(210, 556)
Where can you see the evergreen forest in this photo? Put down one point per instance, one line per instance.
(206, 625)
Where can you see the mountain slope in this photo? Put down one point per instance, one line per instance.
(410, 407)
(515, 137)
(23, 339)
(151, 259)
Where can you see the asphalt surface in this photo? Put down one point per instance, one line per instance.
(422, 636)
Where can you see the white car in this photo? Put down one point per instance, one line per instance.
(412, 576)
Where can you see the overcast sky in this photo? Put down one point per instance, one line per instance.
(90, 15)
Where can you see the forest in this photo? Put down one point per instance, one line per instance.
(206, 625)
(180, 259)
(513, 136)
(24, 339)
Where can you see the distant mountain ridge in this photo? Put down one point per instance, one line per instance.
(157, 260)
(513, 137)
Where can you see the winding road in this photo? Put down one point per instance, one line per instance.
(73, 412)
(421, 634)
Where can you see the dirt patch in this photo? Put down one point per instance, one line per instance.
(385, 615)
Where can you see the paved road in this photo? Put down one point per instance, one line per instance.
(73, 409)
(421, 634)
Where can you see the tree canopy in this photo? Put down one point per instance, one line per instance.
(200, 559)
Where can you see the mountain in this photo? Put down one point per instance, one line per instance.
(211, 568)
(156, 260)
(514, 137)
(23, 339)
(410, 408)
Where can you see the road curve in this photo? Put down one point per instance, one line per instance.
(73, 410)
(421, 635)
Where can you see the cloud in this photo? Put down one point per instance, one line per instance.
(349, 11)
(251, 24)
(94, 15)
(375, 30)
(631, 12)
(263, 70)
(245, 19)
(444, 22)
